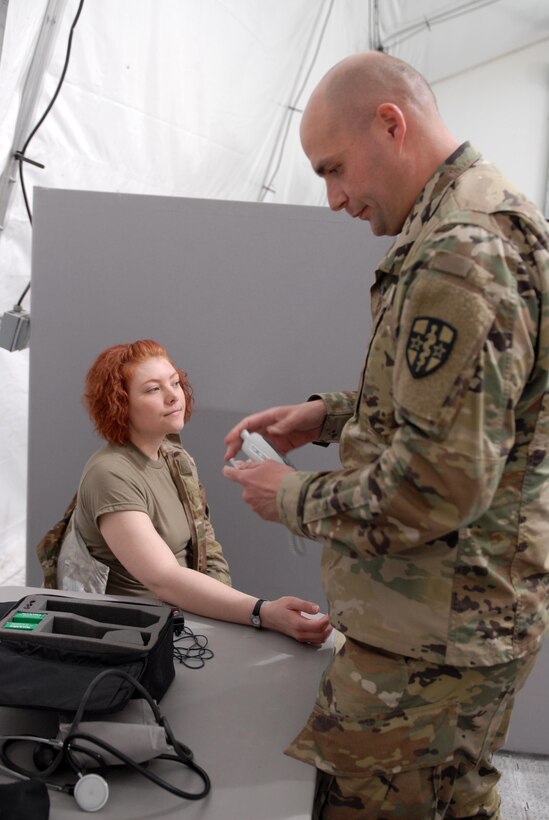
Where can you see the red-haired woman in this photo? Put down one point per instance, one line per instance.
(141, 512)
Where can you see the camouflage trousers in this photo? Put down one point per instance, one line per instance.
(396, 737)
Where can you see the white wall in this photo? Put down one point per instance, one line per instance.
(503, 108)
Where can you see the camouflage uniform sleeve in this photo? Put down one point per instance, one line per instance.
(339, 409)
(453, 424)
(207, 552)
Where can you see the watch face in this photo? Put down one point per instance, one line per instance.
(255, 619)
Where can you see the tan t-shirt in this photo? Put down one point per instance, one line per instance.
(116, 479)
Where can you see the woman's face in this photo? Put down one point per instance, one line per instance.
(156, 400)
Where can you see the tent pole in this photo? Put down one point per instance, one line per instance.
(47, 36)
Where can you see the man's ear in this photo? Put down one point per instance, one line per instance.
(392, 122)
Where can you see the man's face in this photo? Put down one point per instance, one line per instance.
(360, 168)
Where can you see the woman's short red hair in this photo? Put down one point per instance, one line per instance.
(107, 383)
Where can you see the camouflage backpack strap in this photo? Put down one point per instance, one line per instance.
(49, 546)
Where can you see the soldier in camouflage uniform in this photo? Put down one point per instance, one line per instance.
(436, 528)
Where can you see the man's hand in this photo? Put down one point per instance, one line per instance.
(286, 428)
(260, 481)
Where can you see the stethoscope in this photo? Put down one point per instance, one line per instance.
(91, 790)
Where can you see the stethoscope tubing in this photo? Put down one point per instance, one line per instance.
(66, 747)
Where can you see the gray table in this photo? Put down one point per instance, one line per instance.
(237, 714)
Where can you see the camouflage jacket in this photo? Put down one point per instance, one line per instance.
(207, 555)
(436, 529)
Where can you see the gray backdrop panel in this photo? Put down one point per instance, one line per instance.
(261, 304)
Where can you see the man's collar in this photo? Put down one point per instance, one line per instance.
(427, 203)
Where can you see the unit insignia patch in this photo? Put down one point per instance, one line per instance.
(429, 345)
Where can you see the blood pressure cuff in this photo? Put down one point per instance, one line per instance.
(133, 731)
(23, 800)
(52, 647)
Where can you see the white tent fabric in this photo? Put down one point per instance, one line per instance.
(197, 99)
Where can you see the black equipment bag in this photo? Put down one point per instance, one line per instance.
(52, 647)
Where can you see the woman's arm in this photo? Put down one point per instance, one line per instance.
(132, 538)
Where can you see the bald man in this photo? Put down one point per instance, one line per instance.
(435, 530)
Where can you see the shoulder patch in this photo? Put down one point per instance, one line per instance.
(443, 325)
(429, 345)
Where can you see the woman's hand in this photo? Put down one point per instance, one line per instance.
(286, 615)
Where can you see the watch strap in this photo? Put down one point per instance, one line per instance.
(255, 618)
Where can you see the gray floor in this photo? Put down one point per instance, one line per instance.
(524, 786)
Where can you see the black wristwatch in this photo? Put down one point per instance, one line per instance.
(255, 620)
